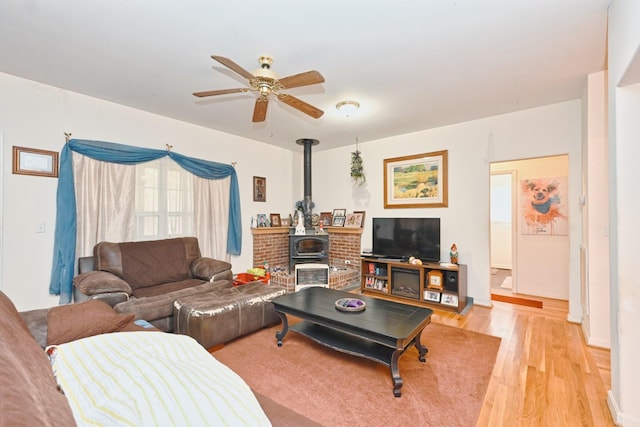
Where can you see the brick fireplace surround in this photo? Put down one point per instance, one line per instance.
(271, 244)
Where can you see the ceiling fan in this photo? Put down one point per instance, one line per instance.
(265, 82)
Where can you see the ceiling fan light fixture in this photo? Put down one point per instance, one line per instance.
(347, 108)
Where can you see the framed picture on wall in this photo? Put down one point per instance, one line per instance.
(418, 181)
(31, 161)
(259, 189)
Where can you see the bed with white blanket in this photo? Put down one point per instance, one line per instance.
(151, 379)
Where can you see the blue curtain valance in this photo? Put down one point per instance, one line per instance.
(64, 252)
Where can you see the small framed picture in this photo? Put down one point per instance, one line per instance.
(262, 220)
(259, 189)
(275, 220)
(339, 212)
(449, 299)
(432, 296)
(362, 220)
(338, 221)
(353, 220)
(326, 218)
(31, 161)
(284, 222)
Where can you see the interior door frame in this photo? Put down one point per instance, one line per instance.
(514, 223)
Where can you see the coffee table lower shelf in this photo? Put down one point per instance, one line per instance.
(356, 346)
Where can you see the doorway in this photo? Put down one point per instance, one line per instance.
(537, 255)
(502, 242)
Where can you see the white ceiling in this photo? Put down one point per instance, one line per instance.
(412, 65)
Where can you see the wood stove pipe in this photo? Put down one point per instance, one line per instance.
(307, 143)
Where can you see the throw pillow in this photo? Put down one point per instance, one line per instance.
(74, 321)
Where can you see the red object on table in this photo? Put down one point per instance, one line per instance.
(244, 278)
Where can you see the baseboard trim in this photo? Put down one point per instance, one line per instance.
(517, 300)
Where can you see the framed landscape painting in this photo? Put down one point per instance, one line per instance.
(418, 181)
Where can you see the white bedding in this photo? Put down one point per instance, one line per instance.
(151, 379)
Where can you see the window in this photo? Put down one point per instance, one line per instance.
(164, 200)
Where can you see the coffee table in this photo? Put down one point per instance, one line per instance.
(381, 332)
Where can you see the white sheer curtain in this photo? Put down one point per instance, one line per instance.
(211, 216)
(104, 201)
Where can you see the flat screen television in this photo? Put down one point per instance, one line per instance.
(402, 238)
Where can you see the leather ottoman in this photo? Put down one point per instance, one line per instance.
(214, 318)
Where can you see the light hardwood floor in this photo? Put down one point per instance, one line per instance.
(545, 374)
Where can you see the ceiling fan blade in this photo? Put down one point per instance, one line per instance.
(219, 92)
(233, 66)
(299, 104)
(260, 110)
(302, 79)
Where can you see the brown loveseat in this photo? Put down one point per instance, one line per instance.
(29, 395)
(145, 278)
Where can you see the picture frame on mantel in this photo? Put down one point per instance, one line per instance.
(259, 189)
(353, 220)
(32, 161)
(417, 181)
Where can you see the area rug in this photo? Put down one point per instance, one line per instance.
(337, 389)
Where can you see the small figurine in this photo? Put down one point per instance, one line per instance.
(454, 254)
(300, 229)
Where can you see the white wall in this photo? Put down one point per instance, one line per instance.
(539, 132)
(624, 174)
(595, 289)
(624, 260)
(36, 116)
(501, 213)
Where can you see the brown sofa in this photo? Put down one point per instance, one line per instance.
(145, 278)
(29, 395)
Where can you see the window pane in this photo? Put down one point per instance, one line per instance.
(164, 200)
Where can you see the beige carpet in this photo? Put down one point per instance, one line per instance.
(336, 389)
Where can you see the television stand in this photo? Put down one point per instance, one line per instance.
(432, 284)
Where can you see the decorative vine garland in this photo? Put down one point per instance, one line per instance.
(357, 171)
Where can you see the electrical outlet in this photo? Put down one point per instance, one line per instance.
(346, 261)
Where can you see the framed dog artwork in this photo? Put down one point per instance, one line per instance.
(544, 207)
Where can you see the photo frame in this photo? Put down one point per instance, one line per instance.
(353, 220)
(275, 219)
(326, 218)
(432, 296)
(284, 222)
(262, 221)
(339, 212)
(417, 181)
(449, 299)
(259, 189)
(363, 215)
(31, 161)
(338, 221)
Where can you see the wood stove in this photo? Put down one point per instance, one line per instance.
(308, 248)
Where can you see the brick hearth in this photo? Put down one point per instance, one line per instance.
(271, 244)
